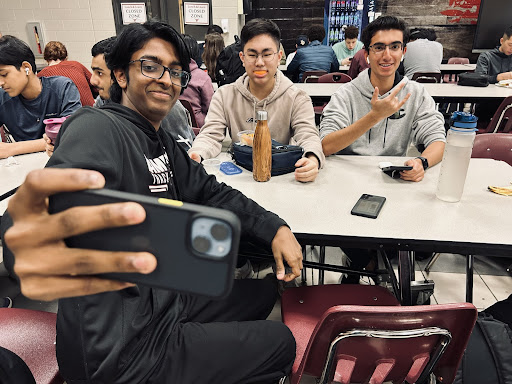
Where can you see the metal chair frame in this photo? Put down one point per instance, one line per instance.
(445, 339)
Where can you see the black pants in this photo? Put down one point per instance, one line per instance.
(228, 341)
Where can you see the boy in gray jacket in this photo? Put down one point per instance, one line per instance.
(379, 113)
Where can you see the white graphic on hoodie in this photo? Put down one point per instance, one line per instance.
(160, 172)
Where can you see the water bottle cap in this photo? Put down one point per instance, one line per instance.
(461, 124)
(261, 115)
(463, 117)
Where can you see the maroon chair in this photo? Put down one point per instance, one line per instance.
(427, 77)
(371, 338)
(312, 76)
(31, 335)
(334, 77)
(188, 107)
(452, 77)
(497, 146)
(502, 118)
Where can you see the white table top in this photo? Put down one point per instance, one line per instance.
(14, 175)
(411, 211)
(441, 90)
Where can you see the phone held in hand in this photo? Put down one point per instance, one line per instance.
(368, 206)
(196, 246)
(393, 170)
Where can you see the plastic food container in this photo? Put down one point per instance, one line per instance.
(246, 137)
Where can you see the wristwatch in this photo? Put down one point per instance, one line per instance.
(424, 162)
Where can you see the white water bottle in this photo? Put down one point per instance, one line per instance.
(457, 153)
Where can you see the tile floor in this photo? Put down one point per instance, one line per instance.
(492, 282)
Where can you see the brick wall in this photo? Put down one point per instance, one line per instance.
(78, 24)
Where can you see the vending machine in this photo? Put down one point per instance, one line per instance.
(338, 14)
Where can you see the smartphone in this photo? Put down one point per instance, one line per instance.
(398, 168)
(368, 206)
(196, 246)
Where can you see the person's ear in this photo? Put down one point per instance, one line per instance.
(366, 57)
(120, 76)
(26, 67)
(242, 57)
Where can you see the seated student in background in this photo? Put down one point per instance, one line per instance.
(497, 66)
(423, 53)
(199, 91)
(100, 78)
(213, 46)
(263, 87)
(214, 28)
(302, 41)
(314, 57)
(346, 49)
(133, 333)
(358, 64)
(26, 100)
(56, 55)
(380, 113)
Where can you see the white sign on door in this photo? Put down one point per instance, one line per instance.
(133, 13)
(197, 13)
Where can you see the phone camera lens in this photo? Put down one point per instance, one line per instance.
(219, 232)
(201, 244)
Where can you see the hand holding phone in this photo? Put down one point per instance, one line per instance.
(195, 246)
(394, 170)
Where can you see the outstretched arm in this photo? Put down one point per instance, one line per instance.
(46, 267)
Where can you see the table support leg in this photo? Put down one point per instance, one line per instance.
(404, 272)
(321, 260)
(469, 278)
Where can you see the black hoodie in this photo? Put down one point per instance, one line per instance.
(492, 63)
(121, 336)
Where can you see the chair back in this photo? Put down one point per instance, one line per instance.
(458, 60)
(383, 343)
(502, 119)
(497, 146)
(427, 77)
(334, 77)
(312, 76)
(192, 116)
(31, 335)
(452, 77)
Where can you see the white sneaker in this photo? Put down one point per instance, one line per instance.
(245, 271)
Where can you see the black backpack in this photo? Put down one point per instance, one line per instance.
(229, 66)
(488, 356)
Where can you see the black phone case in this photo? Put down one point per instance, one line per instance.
(166, 234)
(357, 211)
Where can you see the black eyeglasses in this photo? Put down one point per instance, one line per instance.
(381, 47)
(266, 56)
(155, 71)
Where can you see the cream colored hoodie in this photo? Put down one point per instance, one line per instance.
(290, 117)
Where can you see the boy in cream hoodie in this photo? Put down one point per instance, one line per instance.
(263, 87)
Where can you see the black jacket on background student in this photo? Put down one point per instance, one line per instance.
(142, 334)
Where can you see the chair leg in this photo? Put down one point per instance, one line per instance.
(469, 278)
(321, 260)
(303, 280)
(431, 262)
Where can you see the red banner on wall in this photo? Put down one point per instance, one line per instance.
(462, 11)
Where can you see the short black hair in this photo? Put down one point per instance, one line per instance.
(103, 46)
(508, 33)
(351, 32)
(418, 33)
(257, 27)
(193, 47)
(316, 32)
(383, 23)
(132, 38)
(214, 28)
(14, 51)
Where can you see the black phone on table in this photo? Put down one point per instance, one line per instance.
(368, 206)
(196, 246)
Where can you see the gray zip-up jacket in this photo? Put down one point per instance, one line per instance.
(492, 63)
(418, 121)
